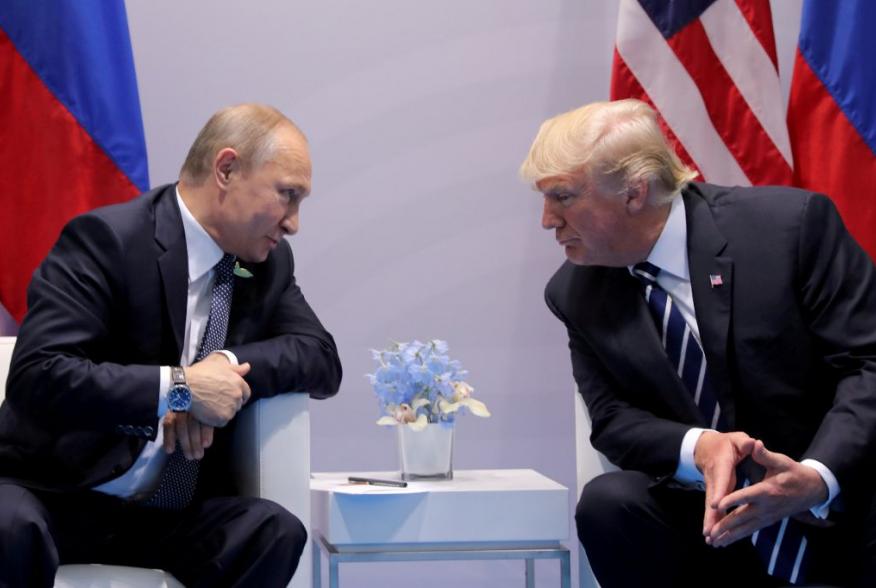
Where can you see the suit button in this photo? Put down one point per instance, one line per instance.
(129, 430)
(148, 430)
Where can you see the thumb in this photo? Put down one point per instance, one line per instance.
(765, 457)
(242, 369)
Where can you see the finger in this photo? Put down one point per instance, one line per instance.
(738, 528)
(767, 458)
(206, 436)
(247, 392)
(194, 430)
(182, 433)
(241, 369)
(741, 497)
(169, 433)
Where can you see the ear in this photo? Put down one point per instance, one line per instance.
(225, 165)
(636, 196)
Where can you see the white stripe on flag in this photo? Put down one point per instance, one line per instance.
(675, 95)
(751, 69)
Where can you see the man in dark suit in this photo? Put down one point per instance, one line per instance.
(150, 325)
(721, 338)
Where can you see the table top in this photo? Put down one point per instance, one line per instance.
(475, 506)
(463, 481)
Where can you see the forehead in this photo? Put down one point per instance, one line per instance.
(562, 183)
(290, 159)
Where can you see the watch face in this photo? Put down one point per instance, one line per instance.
(179, 399)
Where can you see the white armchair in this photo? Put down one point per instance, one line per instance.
(272, 460)
(590, 464)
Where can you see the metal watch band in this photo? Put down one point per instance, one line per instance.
(178, 375)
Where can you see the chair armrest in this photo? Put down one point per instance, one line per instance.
(271, 459)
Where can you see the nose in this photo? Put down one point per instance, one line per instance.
(290, 223)
(550, 219)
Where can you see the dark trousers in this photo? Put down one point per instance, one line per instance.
(225, 541)
(637, 533)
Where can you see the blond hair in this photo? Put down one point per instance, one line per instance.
(246, 128)
(616, 144)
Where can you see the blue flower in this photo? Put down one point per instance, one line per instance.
(417, 383)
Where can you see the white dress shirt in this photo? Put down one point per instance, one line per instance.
(203, 253)
(670, 255)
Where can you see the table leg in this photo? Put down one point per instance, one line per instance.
(565, 570)
(530, 573)
(317, 556)
(333, 572)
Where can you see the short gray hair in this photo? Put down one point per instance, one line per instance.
(246, 128)
(617, 144)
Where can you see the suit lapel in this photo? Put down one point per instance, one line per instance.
(624, 329)
(711, 280)
(173, 263)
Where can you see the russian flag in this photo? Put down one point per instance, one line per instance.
(832, 110)
(71, 134)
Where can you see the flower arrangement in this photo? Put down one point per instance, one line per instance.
(417, 384)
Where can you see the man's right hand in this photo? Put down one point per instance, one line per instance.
(218, 389)
(716, 455)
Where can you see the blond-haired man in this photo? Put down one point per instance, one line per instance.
(721, 338)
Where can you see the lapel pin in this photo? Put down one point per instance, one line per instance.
(715, 280)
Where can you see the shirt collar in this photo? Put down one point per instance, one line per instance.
(203, 252)
(670, 251)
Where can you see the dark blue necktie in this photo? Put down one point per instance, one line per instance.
(180, 476)
(781, 546)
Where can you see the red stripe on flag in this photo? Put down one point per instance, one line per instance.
(730, 114)
(760, 19)
(55, 172)
(625, 85)
(830, 156)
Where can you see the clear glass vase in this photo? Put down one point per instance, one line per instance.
(426, 454)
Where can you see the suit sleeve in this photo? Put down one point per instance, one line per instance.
(838, 295)
(630, 437)
(70, 313)
(298, 354)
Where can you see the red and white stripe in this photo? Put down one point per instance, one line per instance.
(716, 85)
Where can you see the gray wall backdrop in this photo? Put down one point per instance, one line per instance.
(418, 114)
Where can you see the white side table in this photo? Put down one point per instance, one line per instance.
(479, 515)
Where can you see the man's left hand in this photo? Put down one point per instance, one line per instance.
(788, 488)
(194, 437)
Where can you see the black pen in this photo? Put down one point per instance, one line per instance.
(375, 482)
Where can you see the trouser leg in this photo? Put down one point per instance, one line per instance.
(638, 534)
(28, 555)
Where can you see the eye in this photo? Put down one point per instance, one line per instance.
(288, 195)
(563, 198)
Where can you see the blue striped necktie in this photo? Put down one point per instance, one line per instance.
(180, 476)
(782, 545)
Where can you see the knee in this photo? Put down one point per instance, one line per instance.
(25, 534)
(280, 528)
(607, 500)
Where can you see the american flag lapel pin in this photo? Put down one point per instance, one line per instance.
(715, 280)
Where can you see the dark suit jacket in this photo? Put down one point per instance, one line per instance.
(790, 337)
(106, 307)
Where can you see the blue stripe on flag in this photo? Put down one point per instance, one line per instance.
(837, 40)
(671, 16)
(82, 52)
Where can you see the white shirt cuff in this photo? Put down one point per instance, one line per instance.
(822, 510)
(163, 389)
(687, 471)
(230, 356)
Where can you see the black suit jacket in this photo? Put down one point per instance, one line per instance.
(790, 337)
(106, 307)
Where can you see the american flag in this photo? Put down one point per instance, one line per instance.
(709, 68)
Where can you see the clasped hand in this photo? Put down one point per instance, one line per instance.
(218, 393)
(787, 488)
